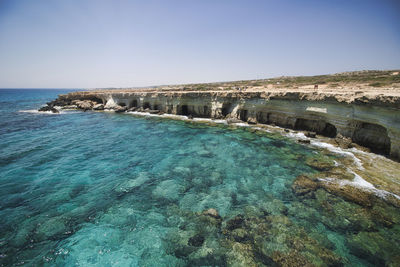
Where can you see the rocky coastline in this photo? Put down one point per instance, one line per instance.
(371, 121)
(365, 210)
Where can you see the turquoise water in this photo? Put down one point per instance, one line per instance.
(104, 189)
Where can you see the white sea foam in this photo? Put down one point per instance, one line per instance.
(241, 124)
(369, 154)
(39, 112)
(147, 114)
(296, 135)
(359, 182)
(173, 116)
(263, 129)
(339, 151)
(202, 119)
(220, 121)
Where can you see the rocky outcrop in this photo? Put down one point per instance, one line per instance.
(371, 121)
(48, 108)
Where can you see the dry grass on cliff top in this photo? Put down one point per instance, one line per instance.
(373, 82)
(374, 79)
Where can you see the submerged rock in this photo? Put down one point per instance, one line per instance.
(240, 235)
(131, 184)
(212, 213)
(320, 163)
(304, 185)
(169, 190)
(274, 207)
(51, 228)
(351, 193)
(196, 240)
(241, 255)
(375, 248)
(235, 223)
(291, 259)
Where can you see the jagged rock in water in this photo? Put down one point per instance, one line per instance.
(84, 104)
(98, 107)
(343, 142)
(310, 134)
(48, 108)
(119, 109)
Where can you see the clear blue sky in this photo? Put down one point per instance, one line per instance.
(116, 43)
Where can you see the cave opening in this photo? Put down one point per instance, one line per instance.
(146, 105)
(226, 109)
(134, 103)
(243, 114)
(319, 126)
(373, 136)
(184, 110)
(329, 130)
(95, 99)
(156, 107)
(206, 111)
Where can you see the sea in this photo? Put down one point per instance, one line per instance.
(105, 189)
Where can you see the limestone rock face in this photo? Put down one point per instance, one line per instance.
(120, 109)
(84, 104)
(343, 142)
(370, 121)
(98, 107)
(48, 108)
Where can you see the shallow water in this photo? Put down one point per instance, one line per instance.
(104, 189)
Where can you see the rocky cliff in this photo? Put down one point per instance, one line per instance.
(371, 120)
